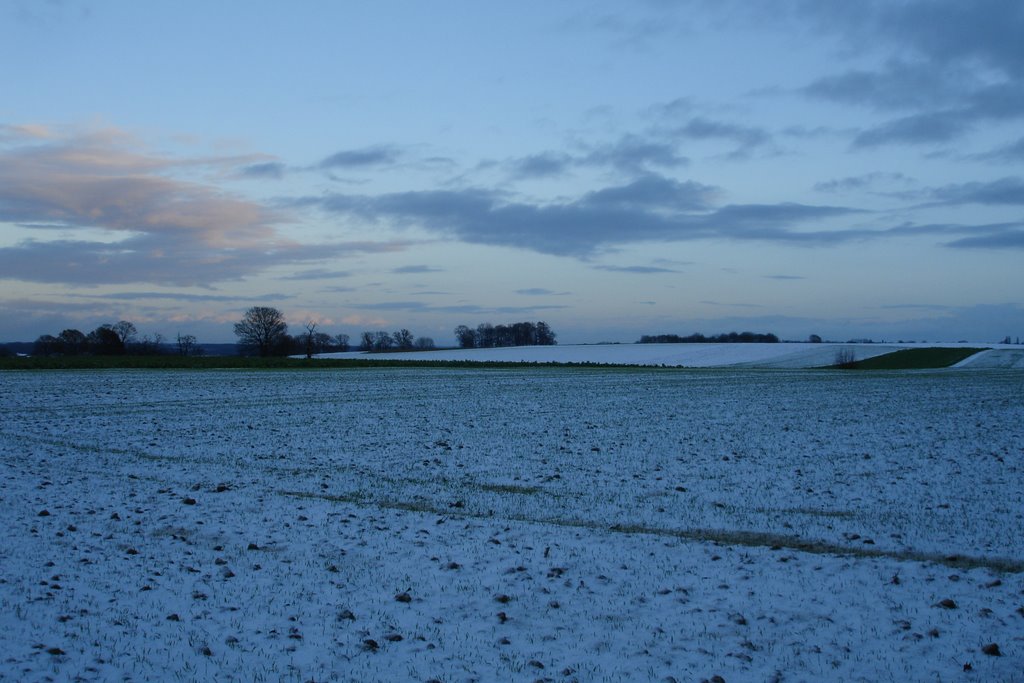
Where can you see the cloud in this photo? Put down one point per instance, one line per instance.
(653, 191)
(181, 296)
(469, 309)
(929, 127)
(635, 154)
(631, 154)
(94, 181)
(148, 258)
(48, 15)
(1005, 191)
(316, 274)
(984, 236)
(650, 209)
(862, 182)
(899, 85)
(775, 222)
(392, 306)
(921, 307)
(629, 32)
(539, 291)
(637, 270)
(1009, 239)
(731, 305)
(951, 66)
(944, 32)
(543, 165)
(987, 31)
(163, 230)
(672, 110)
(785, 277)
(1012, 152)
(677, 124)
(274, 170)
(364, 157)
(416, 269)
(24, 132)
(747, 138)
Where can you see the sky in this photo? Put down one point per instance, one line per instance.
(851, 170)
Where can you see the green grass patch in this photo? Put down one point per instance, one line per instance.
(915, 359)
(171, 362)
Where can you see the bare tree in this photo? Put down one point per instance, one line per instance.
(545, 335)
(424, 343)
(485, 336)
(503, 336)
(125, 331)
(465, 336)
(187, 345)
(341, 342)
(845, 358)
(150, 345)
(262, 328)
(308, 338)
(382, 341)
(403, 339)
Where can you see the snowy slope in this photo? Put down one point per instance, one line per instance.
(995, 358)
(782, 355)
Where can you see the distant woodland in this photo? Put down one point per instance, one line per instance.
(262, 331)
(488, 336)
(727, 338)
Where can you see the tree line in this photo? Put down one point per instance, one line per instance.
(110, 339)
(488, 336)
(727, 338)
(402, 340)
(263, 331)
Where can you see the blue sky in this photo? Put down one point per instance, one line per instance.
(615, 169)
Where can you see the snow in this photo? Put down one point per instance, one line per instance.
(995, 358)
(781, 355)
(544, 523)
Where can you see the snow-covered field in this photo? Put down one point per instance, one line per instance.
(784, 355)
(525, 524)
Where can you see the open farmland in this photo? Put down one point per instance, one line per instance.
(524, 524)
